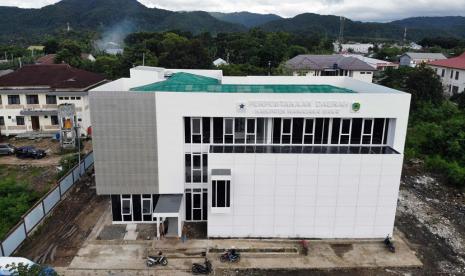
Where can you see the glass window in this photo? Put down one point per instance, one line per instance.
(221, 194)
(146, 206)
(239, 130)
(78, 98)
(251, 131)
(196, 124)
(308, 131)
(187, 130)
(13, 99)
(345, 131)
(443, 72)
(2, 121)
(51, 99)
(456, 75)
(197, 167)
(188, 168)
(367, 131)
(261, 130)
(206, 130)
(20, 120)
(228, 130)
(378, 131)
(286, 131)
(126, 208)
(32, 99)
(54, 120)
(218, 130)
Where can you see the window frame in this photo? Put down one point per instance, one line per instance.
(2, 120)
(23, 121)
(149, 199)
(11, 97)
(122, 205)
(52, 120)
(48, 99)
(227, 195)
(30, 97)
(195, 134)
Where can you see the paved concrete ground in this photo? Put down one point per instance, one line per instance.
(127, 257)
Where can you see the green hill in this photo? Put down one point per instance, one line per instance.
(246, 19)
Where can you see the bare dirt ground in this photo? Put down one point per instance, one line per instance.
(50, 146)
(57, 241)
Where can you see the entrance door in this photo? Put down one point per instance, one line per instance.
(35, 122)
(196, 204)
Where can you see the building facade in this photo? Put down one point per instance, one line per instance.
(452, 74)
(29, 98)
(330, 65)
(316, 157)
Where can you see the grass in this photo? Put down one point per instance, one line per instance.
(20, 188)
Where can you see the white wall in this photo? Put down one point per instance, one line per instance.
(448, 81)
(171, 107)
(308, 195)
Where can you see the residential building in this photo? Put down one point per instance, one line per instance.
(452, 73)
(330, 65)
(253, 156)
(359, 48)
(30, 96)
(413, 59)
(50, 58)
(377, 64)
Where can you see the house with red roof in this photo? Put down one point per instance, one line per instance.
(31, 95)
(452, 73)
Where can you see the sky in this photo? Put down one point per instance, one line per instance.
(364, 10)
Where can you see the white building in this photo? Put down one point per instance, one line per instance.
(359, 48)
(219, 61)
(452, 73)
(330, 65)
(377, 64)
(413, 59)
(255, 156)
(30, 96)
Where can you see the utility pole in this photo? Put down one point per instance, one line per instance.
(20, 63)
(269, 67)
(143, 59)
(405, 36)
(341, 32)
(76, 128)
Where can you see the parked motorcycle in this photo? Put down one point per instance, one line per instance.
(155, 260)
(205, 268)
(389, 244)
(230, 256)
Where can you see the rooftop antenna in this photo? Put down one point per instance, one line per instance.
(269, 67)
(227, 57)
(405, 35)
(68, 28)
(341, 31)
(143, 59)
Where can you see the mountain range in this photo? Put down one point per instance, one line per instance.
(26, 25)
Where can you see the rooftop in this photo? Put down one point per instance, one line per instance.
(187, 82)
(322, 62)
(455, 62)
(425, 55)
(50, 76)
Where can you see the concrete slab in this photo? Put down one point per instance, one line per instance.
(323, 254)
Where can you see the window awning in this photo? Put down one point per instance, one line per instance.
(38, 112)
(168, 205)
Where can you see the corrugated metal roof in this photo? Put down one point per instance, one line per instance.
(456, 62)
(185, 82)
(322, 62)
(425, 55)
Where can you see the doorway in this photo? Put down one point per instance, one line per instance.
(35, 123)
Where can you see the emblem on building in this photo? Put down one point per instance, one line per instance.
(241, 107)
(355, 107)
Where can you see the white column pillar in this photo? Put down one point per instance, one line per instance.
(158, 227)
(179, 226)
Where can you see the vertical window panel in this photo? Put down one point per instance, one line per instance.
(218, 130)
(239, 130)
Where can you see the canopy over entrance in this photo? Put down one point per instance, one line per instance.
(168, 211)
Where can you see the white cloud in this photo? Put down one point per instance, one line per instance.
(365, 10)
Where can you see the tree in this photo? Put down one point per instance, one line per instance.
(422, 82)
(70, 53)
(51, 46)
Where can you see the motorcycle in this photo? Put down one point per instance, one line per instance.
(230, 256)
(389, 244)
(155, 260)
(205, 268)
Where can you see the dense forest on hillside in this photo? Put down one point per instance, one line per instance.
(31, 25)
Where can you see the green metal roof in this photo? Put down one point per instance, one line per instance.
(185, 82)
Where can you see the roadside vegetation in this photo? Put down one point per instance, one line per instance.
(436, 132)
(19, 190)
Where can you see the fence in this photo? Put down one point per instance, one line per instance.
(43, 207)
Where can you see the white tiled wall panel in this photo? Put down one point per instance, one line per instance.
(308, 195)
